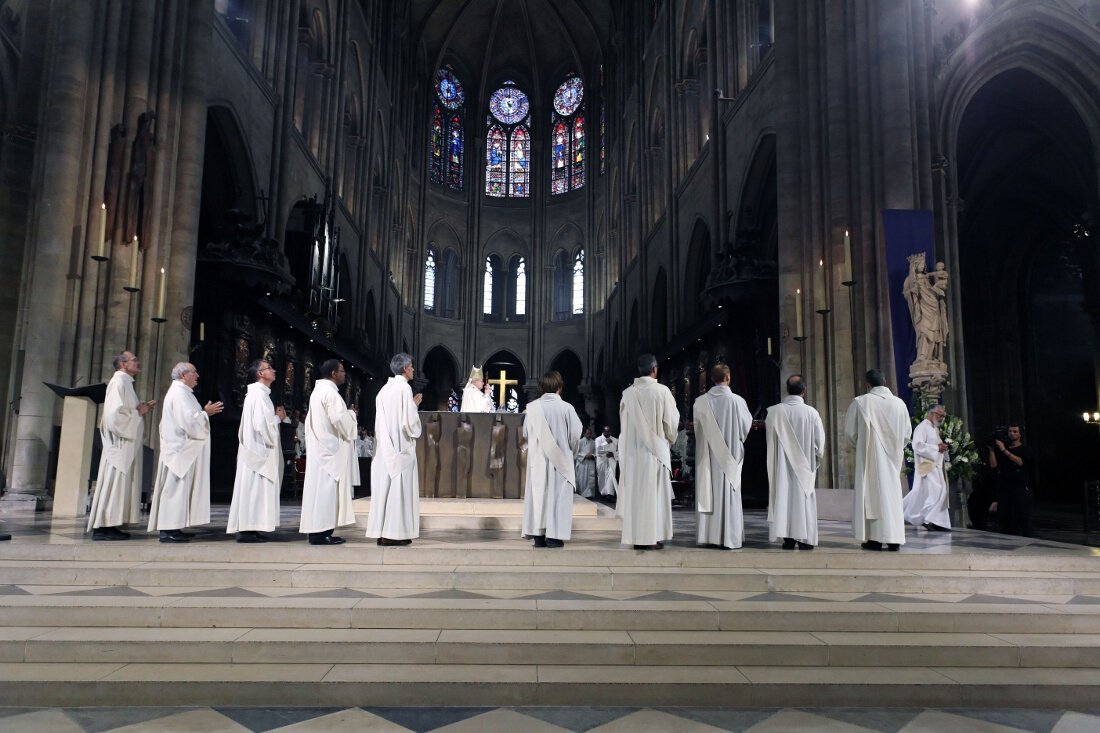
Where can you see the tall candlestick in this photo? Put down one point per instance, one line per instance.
(202, 331)
(847, 259)
(821, 302)
(769, 345)
(798, 313)
(101, 242)
(135, 246)
(161, 287)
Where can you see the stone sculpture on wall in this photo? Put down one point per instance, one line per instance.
(926, 294)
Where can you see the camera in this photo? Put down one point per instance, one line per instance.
(999, 433)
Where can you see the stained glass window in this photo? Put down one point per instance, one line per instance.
(521, 287)
(429, 282)
(437, 145)
(578, 283)
(447, 141)
(487, 284)
(567, 155)
(496, 160)
(521, 162)
(508, 104)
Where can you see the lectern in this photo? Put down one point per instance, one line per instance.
(74, 454)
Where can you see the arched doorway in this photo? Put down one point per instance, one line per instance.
(568, 364)
(1027, 213)
(441, 371)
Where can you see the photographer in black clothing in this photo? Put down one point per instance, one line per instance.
(1012, 461)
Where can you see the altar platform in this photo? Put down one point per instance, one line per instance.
(477, 617)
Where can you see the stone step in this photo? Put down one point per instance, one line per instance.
(214, 546)
(83, 645)
(449, 576)
(543, 614)
(348, 684)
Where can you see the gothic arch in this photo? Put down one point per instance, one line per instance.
(440, 368)
(659, 316)
(700, 259)
(229, 178)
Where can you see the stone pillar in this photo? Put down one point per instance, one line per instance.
(49, 250)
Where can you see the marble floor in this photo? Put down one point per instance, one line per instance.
(543, 720)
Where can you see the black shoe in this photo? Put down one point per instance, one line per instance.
(387, 542)
(893, 548)
(646, 547)
(804, 546)
(551, 542)
(174, 536)
(659, 546)
(250, 538)
(788, 543)
(540, 540)
(928, 526)
(105, 534)
(4, 536)
(936, 528)
(873, 545)
(186, 534)
(326, 539)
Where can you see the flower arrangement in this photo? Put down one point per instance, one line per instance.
(962, 458)
(453, 403)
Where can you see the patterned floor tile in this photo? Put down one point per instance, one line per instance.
(576, 719)
(224, 593)
(501, 720)
(202, 720)
(40, 721)
(799, 721)
(735, 721)
(1077, 723)
(422, 720)
(671, 595)
(335, 593)
(353, 720)
(450, 594)
(101, 720)
(651, 721)
(261, 720)
(984, 598)
(780, 597)
(111, 590)
(1034, 721)
(938, 721)
(1085, 600)
(12, 590)
(560, 595)
(890, 598)
(883, 721)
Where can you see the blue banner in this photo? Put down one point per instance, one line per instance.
(907, 232)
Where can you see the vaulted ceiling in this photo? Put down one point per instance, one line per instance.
(535, 42)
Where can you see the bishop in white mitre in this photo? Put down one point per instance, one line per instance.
(796, 445)
(649, 418)
(878, 424)
(584, 461)
(722, 422)
(394, 517)
(332, 468)
(926, 505)
(255, 504)
(473, 394)
(117, 497)
(553, 432)
(607, 462)
(181, 494)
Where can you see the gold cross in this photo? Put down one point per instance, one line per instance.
(503, 381)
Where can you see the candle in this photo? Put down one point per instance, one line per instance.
(101, 245)
(134, 264)
(798, 313)
(847, 258)
(820, 301)
(202, 331)
(769, 345)
(161, 286)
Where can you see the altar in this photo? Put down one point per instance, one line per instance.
(471, 455)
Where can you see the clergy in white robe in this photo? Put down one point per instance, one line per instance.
(473, 394)
(394, 517)
(796, 445)
(255, 504)
(607, 462)
(331, 466)
(181, 494)
(649, 418)
(117, 497)
(722, 422)
(553, 432)
(927, 503)
(584, 460)
(878, 424)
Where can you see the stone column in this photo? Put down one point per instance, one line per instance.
(49, 248)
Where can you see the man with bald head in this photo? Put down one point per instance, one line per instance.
(181, 495)
(117, 497)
